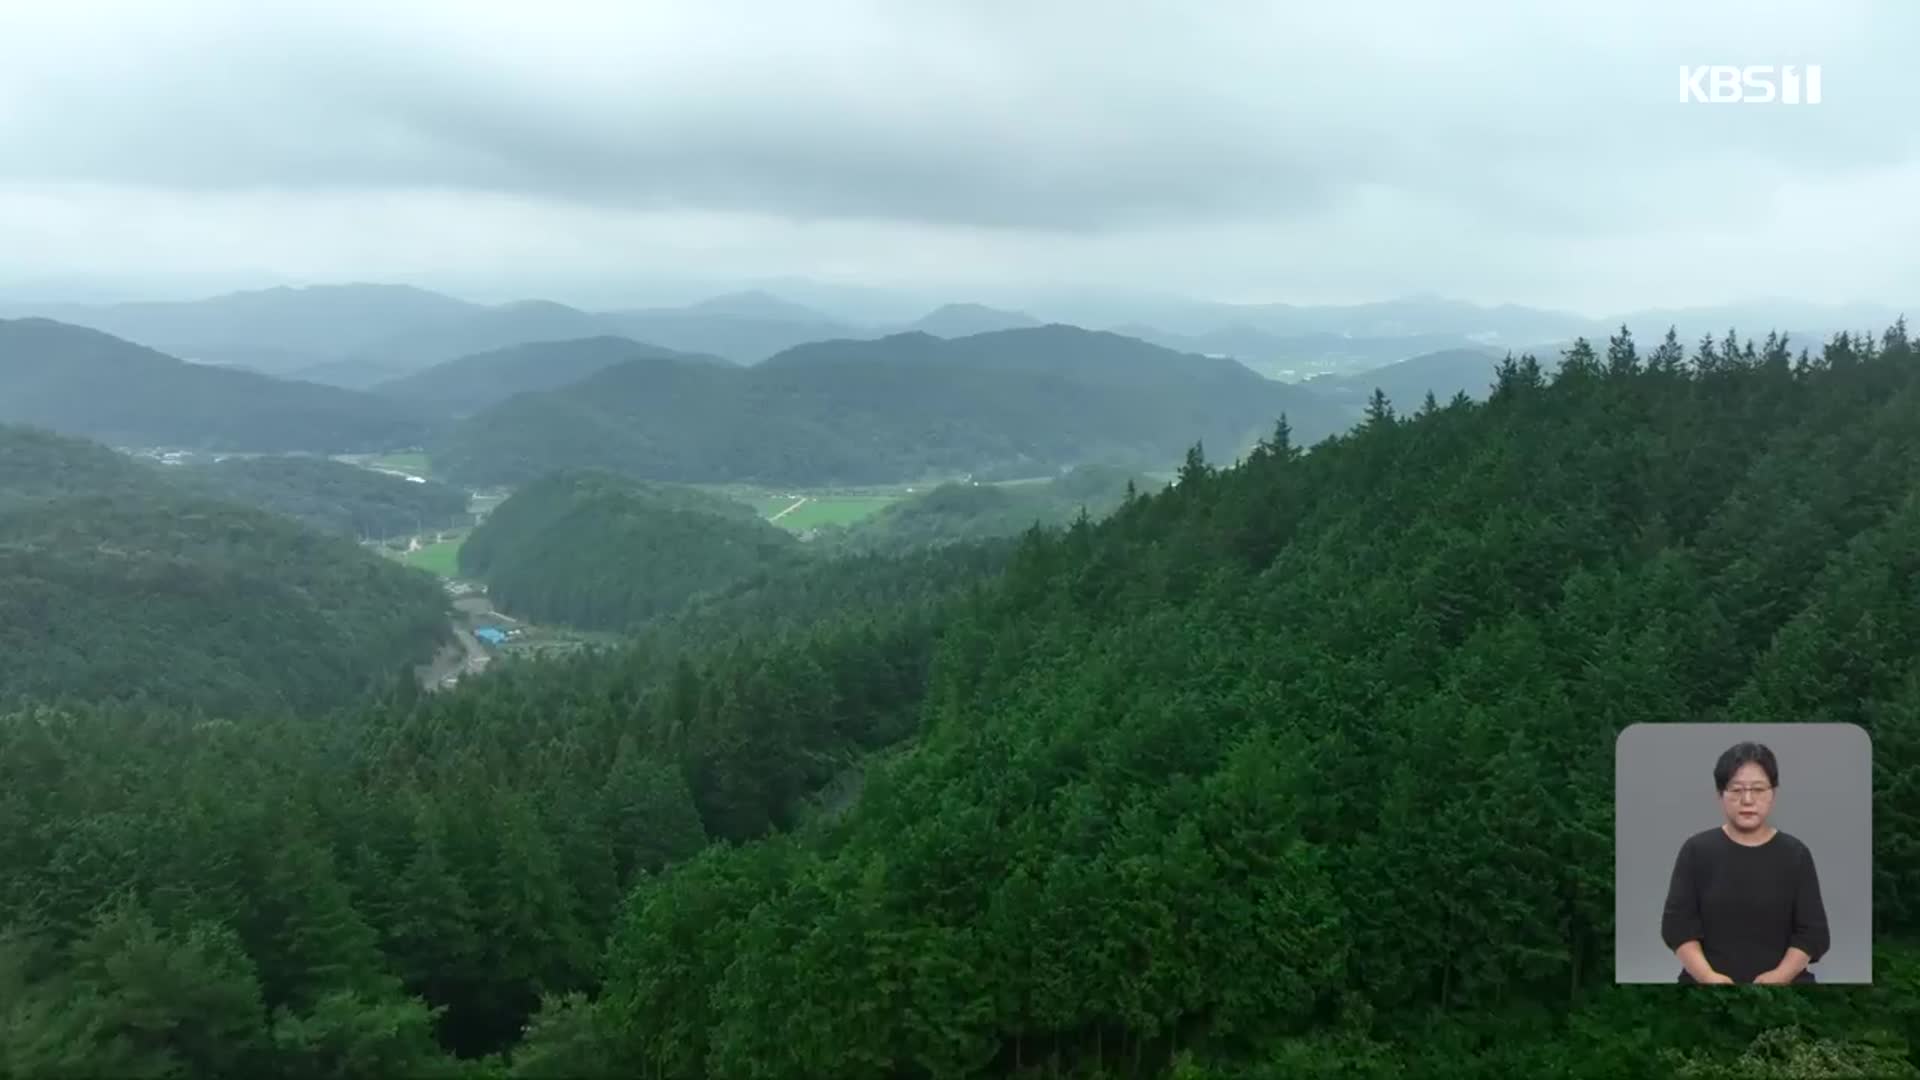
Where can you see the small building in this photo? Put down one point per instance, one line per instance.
(492, 635)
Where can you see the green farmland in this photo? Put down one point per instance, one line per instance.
(820, 510)
(442, 558)
(799, 509)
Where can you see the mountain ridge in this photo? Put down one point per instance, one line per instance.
(86, 382)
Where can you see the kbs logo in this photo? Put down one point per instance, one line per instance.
(1755, 84)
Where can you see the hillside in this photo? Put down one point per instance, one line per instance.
(600, 552)
(479, 330)
(953, 513)
(83, 382)
(298, 888)
(743, 339)
(899, 408)
(38, 465)
(1443, 374)
(467, 385)
(1219, 780)
(1298, 768)
(115, 585)
(328, 495)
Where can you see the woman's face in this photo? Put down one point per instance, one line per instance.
(1748, 798)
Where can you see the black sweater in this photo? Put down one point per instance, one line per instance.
(1745, 905)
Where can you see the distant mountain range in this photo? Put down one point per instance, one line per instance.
(1019, 402)
(962, 320)
(895, 408)
(359, 335)
(505, 392)
(314, 323)
(471, 383)
(83, 382)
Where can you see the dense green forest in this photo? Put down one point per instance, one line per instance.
(1299, 767)
(329, 495)
(602, 552)
(116, 585)
(898, 408)
(1304, 767)
(956, 512)
(362, 892)
(83, 382)
(471, 383)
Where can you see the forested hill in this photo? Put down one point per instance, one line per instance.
(116, 585)
(954, 512)
(1299, 768)
(83, 382)
(471, 383)
(36, 465)
(1089, 357)
(599, 551)
(899, 408)
(328, 495)
(1305, 767)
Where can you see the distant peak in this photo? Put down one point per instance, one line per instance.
(963, 319)
(756, 304)
(536, 305)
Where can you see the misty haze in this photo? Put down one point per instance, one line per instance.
(857, 539)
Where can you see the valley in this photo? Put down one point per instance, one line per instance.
(959, 541)
(632, 687)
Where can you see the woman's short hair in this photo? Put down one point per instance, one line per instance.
(1740, 754)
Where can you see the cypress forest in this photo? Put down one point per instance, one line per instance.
(1303, 766)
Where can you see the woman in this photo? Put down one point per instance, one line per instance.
(1744, 904)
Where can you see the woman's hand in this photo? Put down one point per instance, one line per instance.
(1717, 979)
(1776, 977)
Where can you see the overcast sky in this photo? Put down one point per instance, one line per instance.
(1527, 152)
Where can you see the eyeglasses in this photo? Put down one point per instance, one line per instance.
(1758, 791)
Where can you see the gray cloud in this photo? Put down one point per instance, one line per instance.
(1234, 146)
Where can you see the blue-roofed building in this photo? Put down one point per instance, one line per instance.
(492, 635)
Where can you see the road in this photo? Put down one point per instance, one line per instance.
(466, 656)
(797, 504)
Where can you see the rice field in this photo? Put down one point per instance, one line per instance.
(800, 509)
(767, 505)
(442, 558)
(814, 511)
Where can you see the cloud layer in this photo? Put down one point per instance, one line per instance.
(1512, 151)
